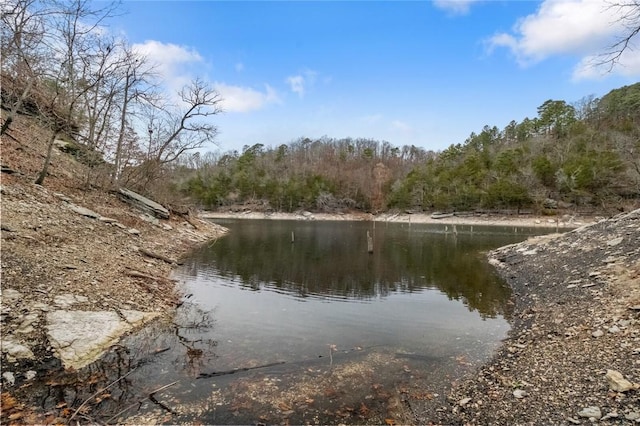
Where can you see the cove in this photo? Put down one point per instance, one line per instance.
(295, 322)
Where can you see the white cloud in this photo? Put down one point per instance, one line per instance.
(296, 83)
(301, 82)
(170, 59)
(245, 99)
(179, 65)
(455, 7)
(401, 126)
(583, 28)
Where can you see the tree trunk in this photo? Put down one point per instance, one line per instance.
(15, 108)
(47, 160)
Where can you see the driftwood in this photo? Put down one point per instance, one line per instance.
(138, 274)
(157, 256)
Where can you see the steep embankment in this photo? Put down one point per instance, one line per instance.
(80, 267)
(574, 351)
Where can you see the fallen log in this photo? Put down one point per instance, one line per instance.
(157, 256)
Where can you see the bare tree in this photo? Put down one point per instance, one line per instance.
(22, 32)
(628, 12)
(73, 34)
(135, 83)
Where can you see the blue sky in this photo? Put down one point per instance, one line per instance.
(426, 73)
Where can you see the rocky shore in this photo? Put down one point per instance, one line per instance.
(573, 354)
(80, 269)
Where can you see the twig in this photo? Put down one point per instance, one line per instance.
(155, 401)
(98, 393)
(140, 401)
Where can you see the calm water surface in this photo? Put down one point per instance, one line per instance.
(295, 322)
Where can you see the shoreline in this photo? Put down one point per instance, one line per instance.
(572, 355)
(564, 223)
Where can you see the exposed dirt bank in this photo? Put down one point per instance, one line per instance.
(564, 222)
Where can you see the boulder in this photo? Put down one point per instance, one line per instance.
(142, 203)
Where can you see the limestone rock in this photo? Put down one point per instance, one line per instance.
(590, 412)
(15, 350)
(81, 337)
(67, 300)
(617, 382)
(142, 203)
(84, 211)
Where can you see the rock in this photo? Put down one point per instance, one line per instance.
(83, 211)
(62, 197)
(15, 350)
(590, 412)
(519, 393)
(67, 300)
(617, 382)
(26, 327)
(107, 219)
(10, 296)
(7, 228)
(614, 329)
(615, 241)
(30, 374)
(633, 416)
(464, 401)
(9, 378)
(152, 220)
(167, 227)
(142, 203)
(133, 231)
(597, 333)
(81, 337)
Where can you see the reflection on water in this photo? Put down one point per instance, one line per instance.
(295, 322)
(330, 260)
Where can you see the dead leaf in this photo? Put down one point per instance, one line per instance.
(390, 422)
(16, 416)
(364, 410)
(284, 406)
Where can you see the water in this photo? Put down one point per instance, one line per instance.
(295, 322)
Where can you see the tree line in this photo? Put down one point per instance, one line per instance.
(584, 155)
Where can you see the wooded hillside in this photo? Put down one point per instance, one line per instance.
(582, 156)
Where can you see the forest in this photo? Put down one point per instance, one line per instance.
(99, 100)
(579, 156)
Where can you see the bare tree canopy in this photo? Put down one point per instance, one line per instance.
(628, 12)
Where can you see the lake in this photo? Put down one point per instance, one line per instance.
(296, 322)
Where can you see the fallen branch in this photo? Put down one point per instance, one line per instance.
(157, 256)
(139, 274)
(223, 373)
(98, 393)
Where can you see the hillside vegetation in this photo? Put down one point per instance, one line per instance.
(581, 156)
